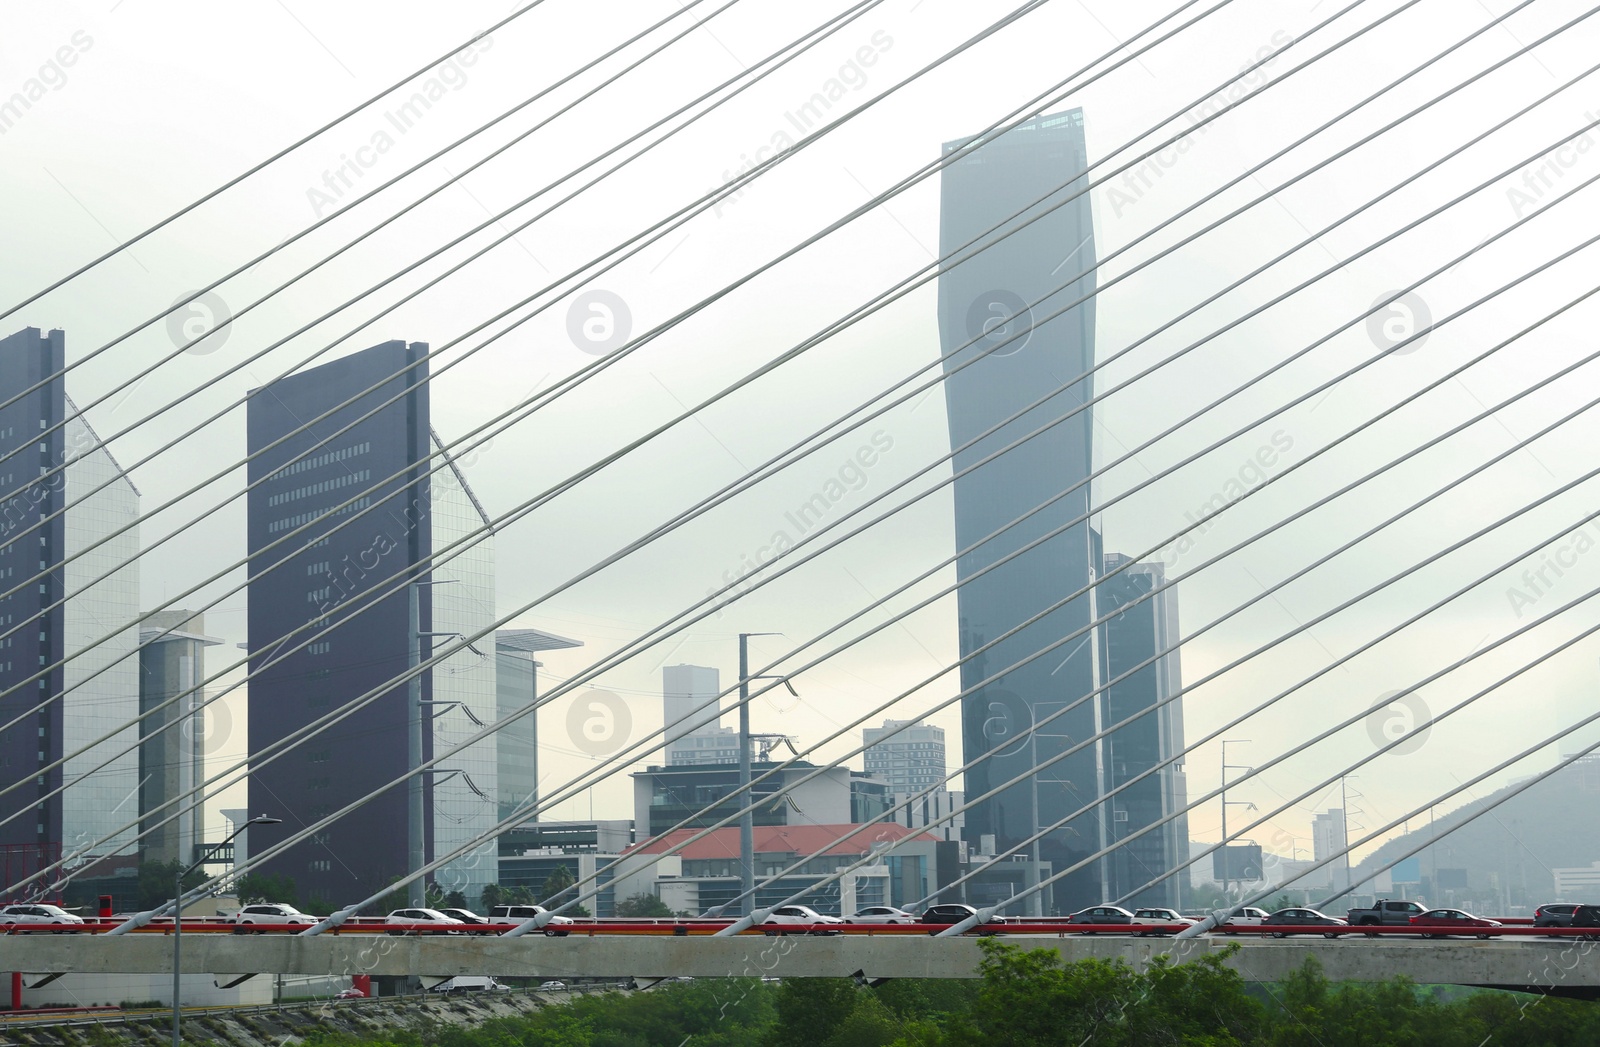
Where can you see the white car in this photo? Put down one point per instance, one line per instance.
(557, 927)
(272, 914)
(1161, 916)
(798, 916)
(1246, 916)
(22, 915)
(552, 986)
(429, 918)
(881, 914)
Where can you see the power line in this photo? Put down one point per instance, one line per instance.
(637, 443)
(522, 815)
(302, 529)
(454, 179)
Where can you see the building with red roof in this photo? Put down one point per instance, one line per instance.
(703, 874)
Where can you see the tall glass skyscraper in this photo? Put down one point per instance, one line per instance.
(340, 582)
(465, 804)
(995, 308)
(93, 629)
(1137, 633)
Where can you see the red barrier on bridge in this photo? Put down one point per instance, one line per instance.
(702, 927)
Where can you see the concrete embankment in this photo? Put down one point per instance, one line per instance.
(274, 1026)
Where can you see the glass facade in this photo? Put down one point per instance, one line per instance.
(102, 640)
(31, 634)
(352, 587)
(1135, 635)
(345, 590)
(516, 743)
(996, 309)
(466, 804)
(50, 612)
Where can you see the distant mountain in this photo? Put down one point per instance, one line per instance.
(1510, 849)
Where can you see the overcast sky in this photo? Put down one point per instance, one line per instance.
(134, 108)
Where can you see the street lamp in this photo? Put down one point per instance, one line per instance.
(747, 857)
(177, 917)
(1226, 767)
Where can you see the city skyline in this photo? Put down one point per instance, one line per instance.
(1252, 294)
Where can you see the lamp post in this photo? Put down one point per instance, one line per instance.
(747, 858)
(1226, 767)
(1344, 826)
(177, 918)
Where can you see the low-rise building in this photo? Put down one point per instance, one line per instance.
(666, 798)
(1581, 884)
(705, 874)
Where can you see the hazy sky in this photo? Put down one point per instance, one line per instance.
(134, 108)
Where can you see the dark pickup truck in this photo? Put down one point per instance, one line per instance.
(1385, 913)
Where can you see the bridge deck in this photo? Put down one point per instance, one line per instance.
(1569, 966)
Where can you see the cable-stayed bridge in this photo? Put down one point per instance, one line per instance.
(1309, 373)
(1550, 967)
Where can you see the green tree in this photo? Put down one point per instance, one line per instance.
(811, 1010)
(399, 898)
(439, 898)
(263, 887)
(157, 882)
(644, 906)
(869, 1024)
(557, 884)
(1031, 997)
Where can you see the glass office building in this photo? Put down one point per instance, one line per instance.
(466, 788)
(328, 443)
(69, 589)
(1003, 350)
(1142, 673)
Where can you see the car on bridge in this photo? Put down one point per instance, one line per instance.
(1438, 923)
(1557, 915)
(799, 916)
(270, 914)
(423, 921)
(475, 924)
(1302, 918)
(22, 918)
(557, 927)
(1101, 914)
(881, 914)
(1159, 916)
(1244, 917)
(946, 913)
(1384, 913)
